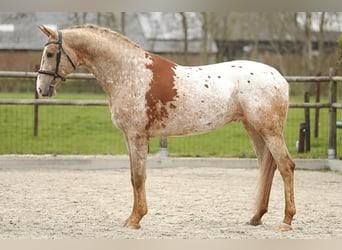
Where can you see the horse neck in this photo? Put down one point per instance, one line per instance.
(109, 56)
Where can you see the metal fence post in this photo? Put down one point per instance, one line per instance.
(332, 117)
(163, 147)
(301, 141)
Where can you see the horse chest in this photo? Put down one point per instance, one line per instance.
(128, 110)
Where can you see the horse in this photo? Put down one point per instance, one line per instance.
(151, 96)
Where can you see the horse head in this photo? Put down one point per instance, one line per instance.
(55, 65)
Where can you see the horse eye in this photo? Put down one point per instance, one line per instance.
(49, 54)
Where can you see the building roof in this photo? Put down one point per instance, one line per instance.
(161, 32)
(156, 32)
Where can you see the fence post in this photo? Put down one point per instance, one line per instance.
(318, 99)
(307, 123)
(163, 147)
(301, 141)
(36, 107)
(332, 117)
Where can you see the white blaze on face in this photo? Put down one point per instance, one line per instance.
(43, 80)
(46, 84)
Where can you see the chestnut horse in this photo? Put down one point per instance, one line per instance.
(150, 96)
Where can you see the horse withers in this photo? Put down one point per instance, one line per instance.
(151, 96)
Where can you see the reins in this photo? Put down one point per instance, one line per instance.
(58, 60)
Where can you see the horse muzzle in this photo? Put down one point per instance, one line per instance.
(49, 90)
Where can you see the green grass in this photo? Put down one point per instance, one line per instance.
(89, 130)
(62, 130)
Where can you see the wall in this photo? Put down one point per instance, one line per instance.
(19, 60)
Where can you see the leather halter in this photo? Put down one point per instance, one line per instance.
(58, 60)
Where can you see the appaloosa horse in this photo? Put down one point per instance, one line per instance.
(150, 96)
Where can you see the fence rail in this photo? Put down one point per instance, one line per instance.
(84, 76)
(332, 104)
(105, 103)
(53, 102)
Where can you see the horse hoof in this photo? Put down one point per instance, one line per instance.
(254, 222)
(132, 225)
(283, 227)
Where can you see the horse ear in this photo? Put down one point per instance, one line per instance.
(48, 32)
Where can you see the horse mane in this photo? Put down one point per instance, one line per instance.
(106, 31)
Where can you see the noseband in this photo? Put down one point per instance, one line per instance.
(58, 60)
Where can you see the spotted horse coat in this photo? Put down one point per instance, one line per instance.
(151, 96)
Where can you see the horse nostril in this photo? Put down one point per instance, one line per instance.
(44, 94)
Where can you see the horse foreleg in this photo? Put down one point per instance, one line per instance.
(138, 147)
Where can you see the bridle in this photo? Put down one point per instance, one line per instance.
(58, 60)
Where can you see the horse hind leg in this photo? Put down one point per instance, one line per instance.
(286, 167)
(267, 169)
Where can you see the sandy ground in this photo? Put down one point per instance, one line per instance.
(189, 203)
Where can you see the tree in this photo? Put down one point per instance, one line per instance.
(107, 19)
(79, 18)
(204, 44)
(321, 43)
(220, 57)
(307, 49)
(123, 23)
(281, 27)
(185, 33)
